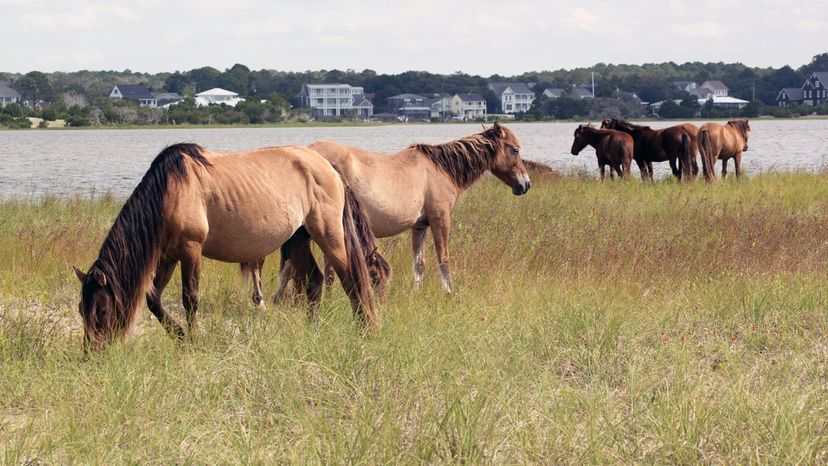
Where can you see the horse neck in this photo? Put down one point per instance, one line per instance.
(593, 136)
(464, 161)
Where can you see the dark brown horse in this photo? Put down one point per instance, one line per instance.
(229, 207)
(676, 144)
(723, 142)
(613, 148)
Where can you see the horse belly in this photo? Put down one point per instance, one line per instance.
(246, 233)
(390, 218)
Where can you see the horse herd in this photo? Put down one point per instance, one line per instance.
(617, 143)
(240, 207)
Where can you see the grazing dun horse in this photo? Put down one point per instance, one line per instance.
(417, 188)
(723, 142)
(613, 148)
(229, 207)
(676, 144)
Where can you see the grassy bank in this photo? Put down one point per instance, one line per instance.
(614, 322)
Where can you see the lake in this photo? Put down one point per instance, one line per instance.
(80, 162)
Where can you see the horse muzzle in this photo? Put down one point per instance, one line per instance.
(745, 148)
(522, 185)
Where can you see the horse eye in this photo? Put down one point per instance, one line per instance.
(515, 150)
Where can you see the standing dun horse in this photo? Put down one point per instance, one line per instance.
(417, 188)
(676, 144)
(613, 148)
(723, 142)
(229, 207)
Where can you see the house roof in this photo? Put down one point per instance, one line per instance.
(580, 92)
(166, 95)
(715, 85)
(359, 100)
(134, 91)
(406, 96)
(217, 91)
(553, 92)
(683, 84)
(517, 88)
(822, 76)
(471, 97)
(793, 93)
(701, 92)
(7, 91)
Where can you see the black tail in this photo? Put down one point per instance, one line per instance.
(357, 235)
(685, 163)
(704, 151)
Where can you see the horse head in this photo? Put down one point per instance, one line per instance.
(508, 164)
(580, 140)
(98, 308)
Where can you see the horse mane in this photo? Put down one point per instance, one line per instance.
(618, 123)
(740, 125)
(131, 250)
(466, 159)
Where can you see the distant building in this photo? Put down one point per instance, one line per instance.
(513, 97)
(554, 93)
(686, 86)
(396, 102)
(362, 107)
(789, 96)
(468, 106)
(135, 93)
(217, 95)
(333, 100)
(579, 92)
(440, 105)
(814, 91)
(8, 95)
(718, 88)
(165, 99)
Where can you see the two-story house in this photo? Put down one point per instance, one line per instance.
(135, 93)
(333, 100)
(718, 88)
(217, 96)
(513, 97)
(8, 95)
(814, 91)
(468, 106)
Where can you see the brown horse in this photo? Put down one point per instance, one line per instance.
(613, 148)
(676, 144)
(416, 189)
(229, 207)
(723, 142)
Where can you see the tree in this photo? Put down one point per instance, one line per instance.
(34, 86)
(818, 63)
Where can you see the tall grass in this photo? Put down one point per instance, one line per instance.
(592, 323)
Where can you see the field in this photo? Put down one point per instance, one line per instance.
(592, 323)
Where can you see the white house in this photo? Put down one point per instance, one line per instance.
(217, 95)
(514, 97)
(718, 88)
(468, 106)
(333, 100)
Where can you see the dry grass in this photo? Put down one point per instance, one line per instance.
(593, 323)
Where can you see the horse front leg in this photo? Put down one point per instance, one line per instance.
(737, 161)
(440, 231)
(642, 169)
(650, 170)
(190, 274)
(418, 235)
(256, 275)
(163, 273)
(724, 168)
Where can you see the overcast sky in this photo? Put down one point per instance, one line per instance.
(477, 36)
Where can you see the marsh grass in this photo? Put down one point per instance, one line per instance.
(592, 323)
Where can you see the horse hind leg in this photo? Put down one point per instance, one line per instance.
(302, 266)
(737, 161)
(190, 275)
(724, 168)
(418, 262)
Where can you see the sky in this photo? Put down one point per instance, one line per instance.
(478, 37)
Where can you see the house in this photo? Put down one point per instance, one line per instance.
(686, 86)
(554, 93)
(396, 102)
(362, 106)
(788, 96)
(165, 99)
(440, 105)
(8, 95)
(718, 88)
(135, 93)
(702, 93)
(330, 100)
(514, 97)
(579, 92)
(218, 96)
(814, 91)
(468, 106)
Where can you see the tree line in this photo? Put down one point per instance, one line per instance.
(81, 97)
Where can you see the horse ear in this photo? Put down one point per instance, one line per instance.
(81, 276)
(98, 276)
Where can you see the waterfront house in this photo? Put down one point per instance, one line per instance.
(468, 106)
(513, 97)
(134, 92)
(8, 95)
(333, 100)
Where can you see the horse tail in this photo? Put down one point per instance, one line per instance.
(684, 157)
(357, 236)
(704, 151)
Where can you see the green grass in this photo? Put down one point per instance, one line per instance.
(592, 323)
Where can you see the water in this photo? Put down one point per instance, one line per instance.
(80, 162)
